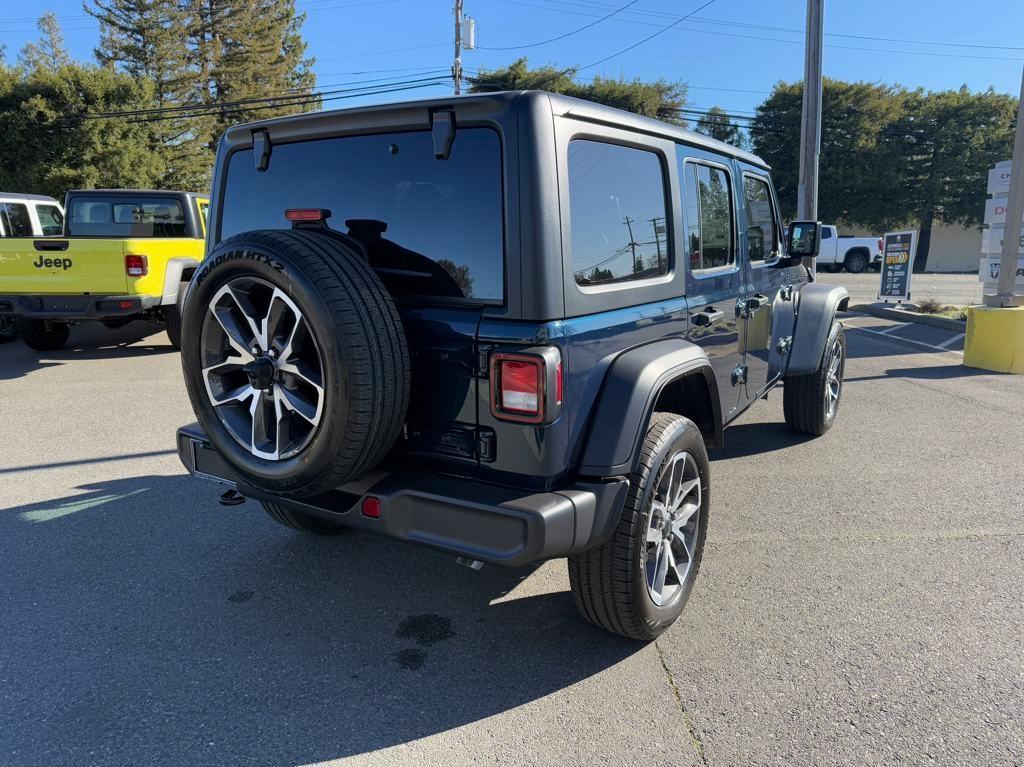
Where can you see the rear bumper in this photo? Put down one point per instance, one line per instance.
(492, 524)
(75, 307)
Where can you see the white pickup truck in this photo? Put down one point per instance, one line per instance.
(855, 254)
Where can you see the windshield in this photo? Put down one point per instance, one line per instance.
(430, 227)
(126, 217)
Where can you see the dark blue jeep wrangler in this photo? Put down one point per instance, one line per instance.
(506, 326)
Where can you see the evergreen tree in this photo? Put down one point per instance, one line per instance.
(716, 124)
(147, 39)
(661, 99)
(49, 53)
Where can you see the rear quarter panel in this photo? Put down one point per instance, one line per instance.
(158, 251)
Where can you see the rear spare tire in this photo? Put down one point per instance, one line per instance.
(295, 360)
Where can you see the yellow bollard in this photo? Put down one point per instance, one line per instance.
(995, 339)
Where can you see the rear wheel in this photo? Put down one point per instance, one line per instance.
(43, 335)
(856, 262)
(811, 402)
(306, 523)
(172, 317)
(638, 582)
(8, 328)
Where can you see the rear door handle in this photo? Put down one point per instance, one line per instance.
(707, 317)
(51, 244)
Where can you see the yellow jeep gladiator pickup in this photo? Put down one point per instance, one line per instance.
(126, 254)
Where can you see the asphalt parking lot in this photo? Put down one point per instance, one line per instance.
(859, 602)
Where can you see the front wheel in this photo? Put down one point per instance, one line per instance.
(8, 328)
(638, 582)
(811, 402)
(43, 335)
(856, 263)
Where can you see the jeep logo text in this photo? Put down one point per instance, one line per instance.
(52, 263)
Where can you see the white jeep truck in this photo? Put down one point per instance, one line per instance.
(855, 254)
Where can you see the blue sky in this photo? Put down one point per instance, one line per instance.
(730, 53)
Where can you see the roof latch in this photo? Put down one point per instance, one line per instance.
(442, 128)
(261, 149)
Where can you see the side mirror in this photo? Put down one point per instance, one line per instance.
(803, 240)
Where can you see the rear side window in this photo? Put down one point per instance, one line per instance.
(617, 213)
(709, 222)
(51, 220)
(430, 227)
(126, 217)
(15, 219)
(757, 200)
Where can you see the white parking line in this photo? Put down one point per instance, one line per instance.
(891, 328)
(952, 340)
(911, 340)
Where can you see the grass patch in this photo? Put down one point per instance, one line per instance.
(931, 306)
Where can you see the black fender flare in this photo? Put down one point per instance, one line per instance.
(817, 304)
(624, 406)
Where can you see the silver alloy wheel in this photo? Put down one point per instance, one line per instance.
(673, 527)
(834, 379)
(262, 368)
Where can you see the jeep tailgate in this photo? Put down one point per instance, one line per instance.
(62, 266)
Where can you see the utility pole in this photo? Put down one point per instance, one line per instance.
(810, 124)
(457, 64)
(657, 239)
(1014, 210)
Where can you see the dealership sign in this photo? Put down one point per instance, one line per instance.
(989, 271)
(897, 263)
(999, 178)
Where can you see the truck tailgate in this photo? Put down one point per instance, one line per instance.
(62, 266)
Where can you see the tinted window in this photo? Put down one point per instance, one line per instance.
(51, 220)
(126, 217)
(16, 221)
(430, 227)
(617, 210)
(709, 229)
(761, 238)
(826, 233)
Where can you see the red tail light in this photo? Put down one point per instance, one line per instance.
(136, 266)
(305, 214)
(526, 387)
(371, 507)
(880, 245)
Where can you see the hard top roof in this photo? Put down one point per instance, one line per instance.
(560, 105)
(22, 196)
(138, 192)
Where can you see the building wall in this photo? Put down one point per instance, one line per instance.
(954, 249)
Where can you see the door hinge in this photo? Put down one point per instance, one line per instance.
(742, 308)
(784, 345)
(786, 293)
(485, 443)
(739, 375)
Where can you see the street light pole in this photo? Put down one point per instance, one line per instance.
(1004, 295)
(810, 124)
(457, 64)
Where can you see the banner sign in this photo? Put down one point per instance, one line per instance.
(897, 264)
(992, 241)
(995, 211)
(989, 271)
(999, 178)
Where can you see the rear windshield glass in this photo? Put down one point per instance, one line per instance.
(126, 217)
(430, 227)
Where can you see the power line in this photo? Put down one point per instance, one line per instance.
(648, 38)
(562, 36)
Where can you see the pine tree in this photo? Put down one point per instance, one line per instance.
(251, 51)
(147, 39)
(49, 53)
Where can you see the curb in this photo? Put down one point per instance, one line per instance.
(946, 323)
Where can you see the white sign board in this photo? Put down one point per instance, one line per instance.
(989, 271)
(999, 178)
(995, 211)
(992, 241)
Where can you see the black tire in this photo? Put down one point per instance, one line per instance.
(8, 328)
(43, 335)
(305, 523)
(609, 583)
(856, 262)
(804, 399)
(356, 333)
(172, 317)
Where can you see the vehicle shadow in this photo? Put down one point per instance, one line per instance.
(90, 340)
(145, 623)
(743, 439)
(933, 373)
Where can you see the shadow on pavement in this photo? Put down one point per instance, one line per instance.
(743, 439)
(934, 373)
(144, 623)
(89, 341)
